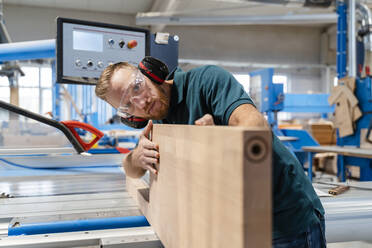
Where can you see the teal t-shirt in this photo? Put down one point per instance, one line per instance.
(212, 90)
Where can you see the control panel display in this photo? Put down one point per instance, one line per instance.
(85, 48)
(87, 41)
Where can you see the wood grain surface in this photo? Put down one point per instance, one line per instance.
(213, 188)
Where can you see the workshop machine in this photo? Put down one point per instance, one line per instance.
(83, 50)
(52, 188)
(270, 99)
(354, 60)
(352, 96)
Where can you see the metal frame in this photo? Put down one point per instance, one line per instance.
(341, 39)
(27, 50)
(345, 156)
(154, 18)
(351, 39)
(307, 103)
(78, 225)
(346, 38)
(125, 237)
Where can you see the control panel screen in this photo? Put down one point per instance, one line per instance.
(84, 49)
(87, 41)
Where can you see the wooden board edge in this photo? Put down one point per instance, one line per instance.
(139, 190)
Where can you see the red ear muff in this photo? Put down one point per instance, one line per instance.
(134, 122)
(149, 74)
(154, 69)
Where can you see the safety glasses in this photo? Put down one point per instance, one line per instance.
(135, 90)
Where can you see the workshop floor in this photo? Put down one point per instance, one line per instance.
(321, 177)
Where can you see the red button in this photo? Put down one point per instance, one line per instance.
(132, 44)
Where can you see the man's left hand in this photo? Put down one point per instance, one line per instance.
(206, 120)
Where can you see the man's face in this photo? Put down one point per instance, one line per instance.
(136, 95)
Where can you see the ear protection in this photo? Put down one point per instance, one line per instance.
(154, 69)
(134, 122)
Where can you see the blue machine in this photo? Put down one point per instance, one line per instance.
(363, 93)
(270, 99)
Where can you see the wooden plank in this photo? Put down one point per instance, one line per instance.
(14, 95)
(213, 187)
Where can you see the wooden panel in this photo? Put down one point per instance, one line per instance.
(324, 133)
(213, 188)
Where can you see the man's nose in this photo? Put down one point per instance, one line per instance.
(139, 102)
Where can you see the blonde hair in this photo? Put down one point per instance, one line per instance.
(104, 82)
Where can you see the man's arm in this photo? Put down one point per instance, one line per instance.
(248, 116)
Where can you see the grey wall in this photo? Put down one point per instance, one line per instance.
(261, 44)
(31, 23)
(291, 45)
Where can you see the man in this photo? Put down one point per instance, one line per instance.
(209, 95)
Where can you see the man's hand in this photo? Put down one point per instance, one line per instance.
(146, 155)
(206, 120)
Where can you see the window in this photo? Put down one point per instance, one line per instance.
(281, 79)
(46, 99)
(46, 77)
(29, 98)
(4, 81)
(335, 81)
(31, 77)
(35, 88)
(243, 79)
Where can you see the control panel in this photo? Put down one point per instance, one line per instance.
(85, 48)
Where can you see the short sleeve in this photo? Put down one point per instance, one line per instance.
(222, 93)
